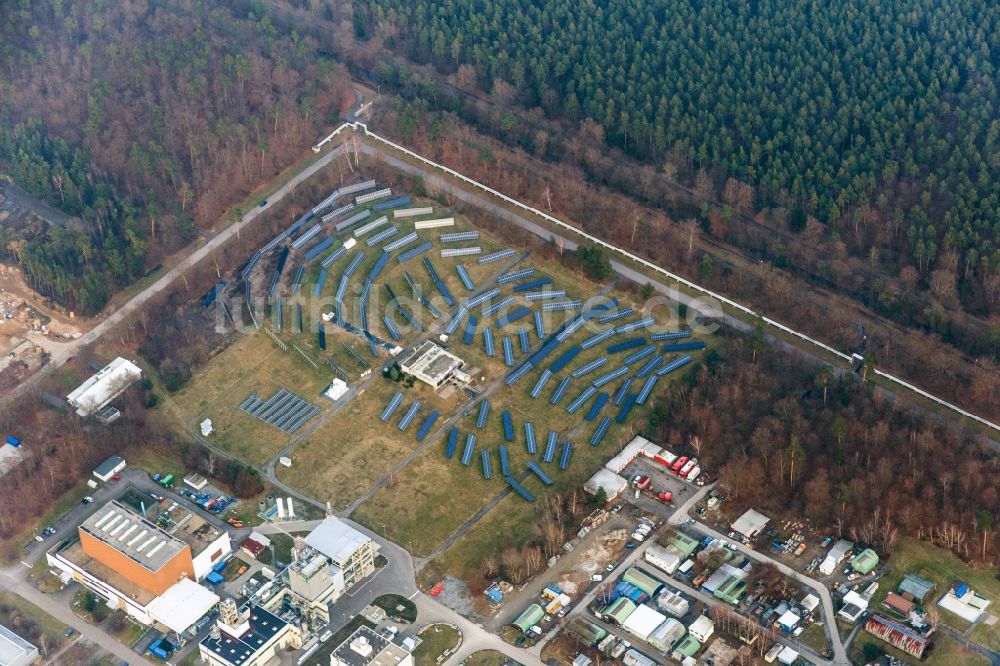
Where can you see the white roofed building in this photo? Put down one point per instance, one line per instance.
(369, 647)
(605, 479)
(14, 650)
(434, 365)
(643, 621)
(350, 550)
(103, 387)
(750, 524)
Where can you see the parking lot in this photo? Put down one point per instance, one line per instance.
(660, 481)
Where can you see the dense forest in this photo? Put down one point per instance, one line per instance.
(879, 119)
(144, 120)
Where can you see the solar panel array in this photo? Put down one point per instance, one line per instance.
(282, 257)
(684, 346)
(487, 467)
(543, 295)
(284, 410)
(488, 341)
(508, 352)
(522, 336)
(620, 313)
(320, 281)
(560, 391)
(601, 431)
(470, 329)
(622, 391)
(496, 256)
(634, 325)
(306, 237)
(514, 276)
(385, 234)
(543, 379)
(672, 335)
(396, 244)
(371, 226)
(649, 366)
(517, 313)
(531, 285)
(550, 447)
(559, 306)
(643, 353)
(391, 406)
(567, 451)
(539, 326)
(372, 196)
(452, 444)
(297, 279)
(564, 360)
(414, 252)
(410, 414)
(626, 345)
(337, 212)
(479, 299)
(519, 489)
(463, 275)
(498, 306)
(545, 478)
(413, 212)
(595, 409)
(673, 365)
(577, 402)
(318, 249)
(589, 367)
(470, 446)
(438, 282)
(484, 412)
(597, 339)
(460, 251)
(334, 256)
(504, 461)
(426, 426)
(418, 293)
(529, 437)
(392, 203)
(647, 388)
(455, 322)
(391, 328)
(518, 374)
(458, 236)
(508, 426)
(609, 377)
(352, 220)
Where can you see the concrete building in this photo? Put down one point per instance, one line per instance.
(347, 548)
(672, 603)
(103, 387)
(368, 647)
(14, 650)
(612, 484)
(250, 636)
(750, 524)
(666, 559)
(665, 636)
(141, 567)
(643, 621)
(314, 580)
(107, 469)
(702, 629)
(434, 365)
(835, 557)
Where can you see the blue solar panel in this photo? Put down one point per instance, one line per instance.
(609, 377)
(508, 426)
(545, 478)
(602, 429)
(470, 446)
(532, 285)
(623, 391)
(539, 325)
(674, 335)
(484, 412)
(439, 283)
(320, 281)
(496, 256)
(318, 248)
(514, 276)
(449, 450)
(529, 437)
(550, 447)
(488, 341)
(512, 316)
(414, 252)
(522, 336)
(635, 325)
(463, 275)
(580, 399)
(508, 352)
(684, 346)
(470, 329)
(616, 315)
(626, 345)
(596, 339)
(487, 467)
(567, 451)
(540, 384)
(589, 367)
(519, 489)
(626, 408)
(673, 365)
(560, 391)
(407, 419)
(426, 426)
(563, 360)
(649, 366)
(595, 409)
(391, 406)
(504, 461)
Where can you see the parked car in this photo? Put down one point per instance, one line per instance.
(597, 578)
(117, 477)
(631, 544)
(262, 203)
(88, 500)
(69, 632)
(39, 537)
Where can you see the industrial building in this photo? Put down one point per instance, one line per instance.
(368, 647)
(865, 562)
(250, 636)
(672, 603)
(314, 580)
(667, 559)
(750, 524)
(897, 635)
(141, 567)
(836, 555)
(917, 587)
(14, 650)
(854, 607)
(604, 479)
(434, 365)
(107, 469)
(347, 549)
(619, 610)
(643, 621)
(255, 544)
(666, 635)
(531, 616)
(104, 386)
(702, 629)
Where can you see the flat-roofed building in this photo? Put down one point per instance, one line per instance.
(434, 365)
(368, 647)
(349, 549)
(107, 469)
(141, 567)
(250, 636)
(14, 650)
(314, 580)
(104, 386)
(750, 523)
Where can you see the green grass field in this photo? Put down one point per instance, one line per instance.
(437, 638)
